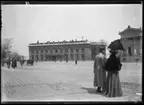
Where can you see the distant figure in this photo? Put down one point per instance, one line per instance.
(113, 66)
(14, 63)
(99, 71)
(76, 61)
(8, 63)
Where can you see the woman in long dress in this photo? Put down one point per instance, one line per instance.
(113, 66)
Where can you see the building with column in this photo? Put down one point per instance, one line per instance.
(65, 50)
(132, 42)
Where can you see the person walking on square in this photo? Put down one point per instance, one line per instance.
(76, 61)
(8, 63)
(99, 72)
(113, 66)
(14, 62)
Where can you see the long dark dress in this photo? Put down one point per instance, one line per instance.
(113, 85)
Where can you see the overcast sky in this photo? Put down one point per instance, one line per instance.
(27, 24)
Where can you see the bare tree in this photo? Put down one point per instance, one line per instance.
(15, 54)
(6, 47)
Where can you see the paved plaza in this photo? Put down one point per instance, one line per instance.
(61, 81)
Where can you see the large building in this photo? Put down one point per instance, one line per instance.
(65, 50)
(132, 42)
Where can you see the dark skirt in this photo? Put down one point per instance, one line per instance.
(113, 85)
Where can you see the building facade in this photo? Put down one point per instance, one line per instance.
(132, 42)
(66, 50)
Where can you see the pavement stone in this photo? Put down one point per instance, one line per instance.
(38, 83)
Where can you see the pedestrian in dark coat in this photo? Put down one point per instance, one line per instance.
(8, 63)
(76, 61)
(113, 66)
(14, 63)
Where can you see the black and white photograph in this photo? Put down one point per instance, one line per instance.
(71, 52)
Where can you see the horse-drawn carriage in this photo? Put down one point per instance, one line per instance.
(30, 61)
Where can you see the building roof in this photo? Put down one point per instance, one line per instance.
(130, 29)
(66, 43)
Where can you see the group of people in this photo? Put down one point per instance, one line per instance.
(12, 63)
(106, 73)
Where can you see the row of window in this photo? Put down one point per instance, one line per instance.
(58, 57)
(61, 50)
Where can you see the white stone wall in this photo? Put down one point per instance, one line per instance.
(87, 52)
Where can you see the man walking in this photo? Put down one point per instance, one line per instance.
(14, 62)
(8, 63)
(76, 61)
(99, 72)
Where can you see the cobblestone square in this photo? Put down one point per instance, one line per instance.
(61, 81)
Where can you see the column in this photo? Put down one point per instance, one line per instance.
(80, 53)
(69, 52)
(127, 52)
(135, 53)
(39, 55)
(133, 46)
